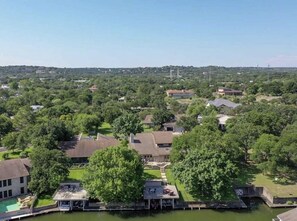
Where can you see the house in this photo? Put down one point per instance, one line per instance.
(71, 196)
(221, 103)
(93, 88)
(222, 118)
(158, 195)
(179, 94)
(228, 91)
(148, 120)
(172, 125)
(290, 215)
(80, 150)
(14, 175)
(5, 87)
(154, 146)
(36, 108)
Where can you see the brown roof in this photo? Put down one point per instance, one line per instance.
(148, 119)
(10, 169)
(289, 215)
(162, 137)
(86, 147)
(179, 92)
(144, 143)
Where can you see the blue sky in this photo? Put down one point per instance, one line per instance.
(133, 33)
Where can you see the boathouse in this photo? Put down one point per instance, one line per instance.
(71, 196)
(158, 195)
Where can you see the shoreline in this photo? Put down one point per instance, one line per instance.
(187, 206)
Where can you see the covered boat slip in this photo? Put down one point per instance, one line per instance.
(157, 195)
(71, 196)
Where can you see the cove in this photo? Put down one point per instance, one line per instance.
(258, 212)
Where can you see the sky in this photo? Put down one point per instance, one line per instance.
(142, 33)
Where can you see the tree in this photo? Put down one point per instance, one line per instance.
(126, 124)
(264, 152)
(24, 117)
(187, 122)
(114, 174)
(206, 172)
(161, 116)
(10, 140)
(246, 135)
(5, 125)
(49, 169)
(87, 122)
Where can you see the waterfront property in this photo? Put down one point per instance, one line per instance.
(158, 195)
(71, 196)
(80, 150)
(180, 94)
(14, 176)
(154, 146)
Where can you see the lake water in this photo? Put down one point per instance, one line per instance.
(259, 212)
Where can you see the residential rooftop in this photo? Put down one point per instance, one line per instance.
(220, 102)
(154, 189)
(86, 147)
(70, 191)
(15, 168)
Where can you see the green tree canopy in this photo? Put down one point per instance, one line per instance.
(5, 125)
(126, 124)
(207, 173)
(114, 174)
(49, 169)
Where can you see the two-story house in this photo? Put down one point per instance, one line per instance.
(14, 177)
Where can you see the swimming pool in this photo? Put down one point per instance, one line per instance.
(9, 205)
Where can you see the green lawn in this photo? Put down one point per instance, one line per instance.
(105, 129)
(75, 174)
(180, 187)
(252, 175)
(147, 128)
(276, 189)
(14, 154)
(152, 174)
(44, 200)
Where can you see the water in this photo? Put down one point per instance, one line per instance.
(259, 212)
(9, 205)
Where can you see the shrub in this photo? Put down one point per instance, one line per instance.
(23, 154)
(5, 156)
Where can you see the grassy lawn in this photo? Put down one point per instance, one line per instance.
(14, 154)
(44, 200)
(105, 129)
(276, 189)
(180, 187)
(147, 128)
(152, 174)
(75, 174)
(252, 175)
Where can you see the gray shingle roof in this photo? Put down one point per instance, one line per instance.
(223, 102)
